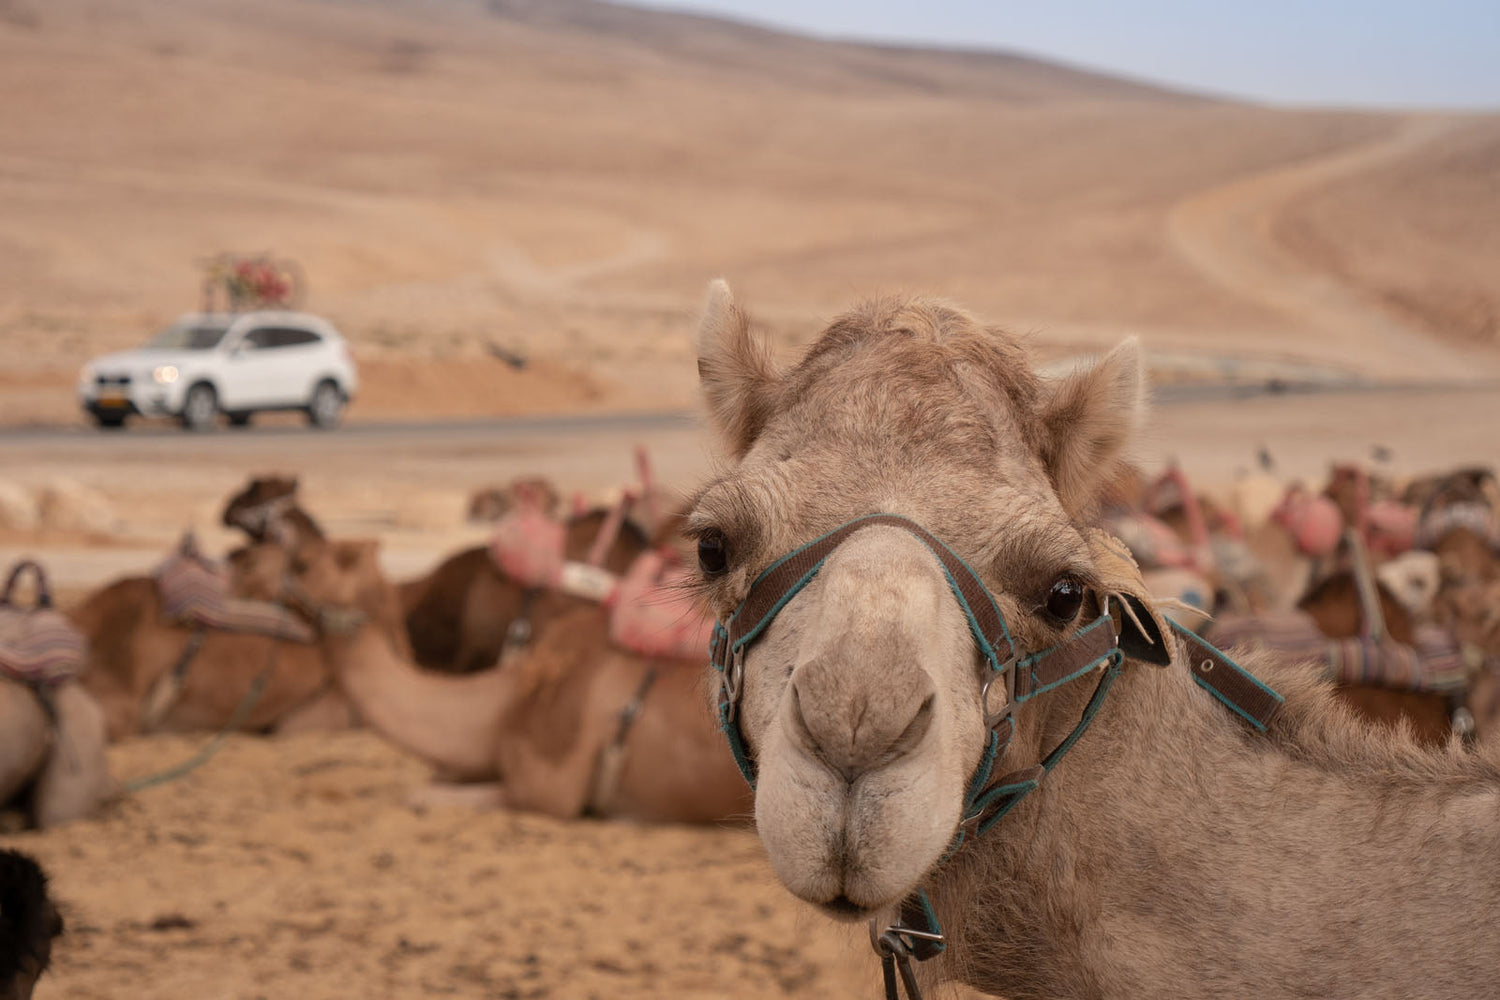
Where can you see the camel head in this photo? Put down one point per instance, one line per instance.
(29, 923)
(494, 502)
(332, 579)
(249, 509)
(861, 703)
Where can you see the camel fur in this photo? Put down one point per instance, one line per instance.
(1175, 852)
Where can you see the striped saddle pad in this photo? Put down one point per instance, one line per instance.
(1434, 663)
(40, 646)
(195, 594)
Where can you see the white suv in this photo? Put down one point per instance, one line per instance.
(231, 363)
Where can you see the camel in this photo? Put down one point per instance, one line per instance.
(462, 616)
(1334, 605)
(1268, 845)
(267, 511)
(52, 733)
(29, 923)
(148, 673)
(573, 727)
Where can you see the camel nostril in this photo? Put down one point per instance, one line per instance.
(856, 734)
(914, 731)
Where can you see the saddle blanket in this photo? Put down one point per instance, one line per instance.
(193, 593)
(1433, 664)
(40, 646)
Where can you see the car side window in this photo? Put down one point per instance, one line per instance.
(259, 340)
(268, 337)
(290, 337)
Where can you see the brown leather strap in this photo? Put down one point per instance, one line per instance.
(1228, 681)
(1087, 649)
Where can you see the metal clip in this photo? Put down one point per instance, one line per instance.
(732, 682)
(1007, 678)
(896, 959)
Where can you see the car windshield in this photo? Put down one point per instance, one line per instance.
(190, 336)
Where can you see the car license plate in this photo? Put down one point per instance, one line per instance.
(113, 399)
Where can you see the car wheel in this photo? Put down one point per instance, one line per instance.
(240, 419)
(326, 405)
(110, 421)
(199, 407)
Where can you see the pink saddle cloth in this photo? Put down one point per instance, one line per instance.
(1313, 521)
(195, 594)
(529, 547)
(1151, 541)
(653, 613)
(1434, 663)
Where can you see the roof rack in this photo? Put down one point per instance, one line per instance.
(244, 282)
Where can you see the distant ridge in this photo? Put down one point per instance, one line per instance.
(803, 60)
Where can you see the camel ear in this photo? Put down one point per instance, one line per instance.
(1087, 420)
(734, 371)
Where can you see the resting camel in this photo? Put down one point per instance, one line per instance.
(152, 674)
(267, 511)
(52, 733)
(29, 923)
(1176, 850)
(548, 725)
(1334, 605)
(462, 615)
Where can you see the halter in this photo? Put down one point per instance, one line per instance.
(1097, 646)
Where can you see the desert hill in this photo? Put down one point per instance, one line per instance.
(562, 176)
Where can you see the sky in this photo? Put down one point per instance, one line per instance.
(1376, 53)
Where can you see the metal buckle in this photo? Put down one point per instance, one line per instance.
(732, 681)
(1007, 677)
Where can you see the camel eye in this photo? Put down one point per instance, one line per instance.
(1065, 600)
(713, 553)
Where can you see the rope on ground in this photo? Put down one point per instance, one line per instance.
(205, 754)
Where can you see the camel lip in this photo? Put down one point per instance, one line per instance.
(846, 910)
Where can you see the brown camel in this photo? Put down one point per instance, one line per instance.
(137, 660)
(462, 615)
(29, 923)
(1334, 605)
(55, 770)
(551, 726)
(267, 511)
(1175, 851)
(52, 734)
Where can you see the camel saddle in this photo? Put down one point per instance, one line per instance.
(1152, 543)
(653, 614)
(1314, 521)
(38, 645)
(196, 594)
(1434, 663)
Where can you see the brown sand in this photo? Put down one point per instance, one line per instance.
(293, 868)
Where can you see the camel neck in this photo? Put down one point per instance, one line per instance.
(452, 722)
(1176, 852)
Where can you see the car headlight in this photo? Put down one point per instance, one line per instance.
(165, 374)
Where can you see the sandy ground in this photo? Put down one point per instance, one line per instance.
(293, 868)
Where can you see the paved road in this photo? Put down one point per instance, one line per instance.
(374, 435)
